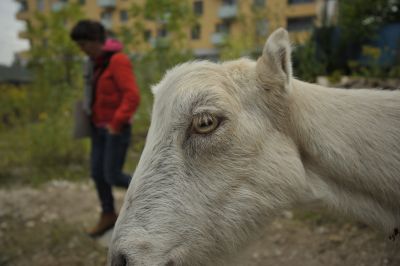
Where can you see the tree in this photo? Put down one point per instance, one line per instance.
(56, 65)
(359, 20)
(340, 47)
(359, 23)
(172, 20)
(54, 58)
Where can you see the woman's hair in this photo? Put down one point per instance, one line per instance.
(88, 30)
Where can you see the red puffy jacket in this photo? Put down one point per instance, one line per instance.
(116, 94)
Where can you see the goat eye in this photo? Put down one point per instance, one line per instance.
(204, 123)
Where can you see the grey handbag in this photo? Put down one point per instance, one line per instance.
(82, 124)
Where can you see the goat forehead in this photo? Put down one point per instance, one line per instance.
(191, 84)
(190, 76)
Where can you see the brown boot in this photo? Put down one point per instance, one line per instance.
(106, 222)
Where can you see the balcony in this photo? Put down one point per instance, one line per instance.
(57, 6)
(218, 38)
(107, 23)
(106, 3)
(164, 18)
(228, 11)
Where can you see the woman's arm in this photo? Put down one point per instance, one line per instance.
(122, 71)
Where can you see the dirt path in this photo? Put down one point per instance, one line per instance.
(44, 227)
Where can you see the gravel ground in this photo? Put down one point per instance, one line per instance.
(44, 227)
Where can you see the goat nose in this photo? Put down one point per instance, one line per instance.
(170, 263)
(119, 259)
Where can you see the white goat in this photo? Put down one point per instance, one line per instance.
(231, 144)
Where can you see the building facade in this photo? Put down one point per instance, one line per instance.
(216, 19)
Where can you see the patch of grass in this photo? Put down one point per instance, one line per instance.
(32, 155)
(14, 144)
(47, 244)
(317, 215)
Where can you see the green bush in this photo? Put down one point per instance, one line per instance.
(306, 64)
(38, 151)
(13, 104)
(52, 144)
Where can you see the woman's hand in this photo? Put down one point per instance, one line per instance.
(111, 130)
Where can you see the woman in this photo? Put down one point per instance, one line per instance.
(112, 97)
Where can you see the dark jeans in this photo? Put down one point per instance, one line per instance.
(107, 159)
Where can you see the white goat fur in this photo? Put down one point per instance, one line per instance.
(197, 198)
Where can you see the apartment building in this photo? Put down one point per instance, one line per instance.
(216, 19)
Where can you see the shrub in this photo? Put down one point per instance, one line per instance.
(13, 104)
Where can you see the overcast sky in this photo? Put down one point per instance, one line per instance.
(9, 28)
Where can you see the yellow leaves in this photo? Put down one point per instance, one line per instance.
(371, 51)
(43, 116)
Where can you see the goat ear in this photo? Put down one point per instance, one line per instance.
(275, 66)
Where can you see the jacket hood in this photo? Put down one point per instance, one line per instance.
(112, 45)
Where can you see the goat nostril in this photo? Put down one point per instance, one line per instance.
(119, 260)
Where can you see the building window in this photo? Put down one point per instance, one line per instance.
(259, 3)
(162, 32)
(290, 2)
(300, 23)
(40, 5)
(123, 15)
(106, 19)
(147, 35)
(222, 27)
(229, 2)
(106, 15)
(196, 32)
(198, 7)
(23, 6)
